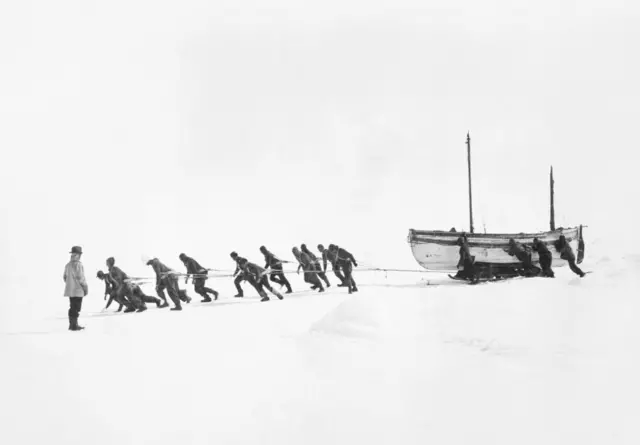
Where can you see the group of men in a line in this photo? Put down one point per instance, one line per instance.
(127, 293)
(469, 269)
(342, 263)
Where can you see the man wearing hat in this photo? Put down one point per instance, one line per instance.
(75, 287)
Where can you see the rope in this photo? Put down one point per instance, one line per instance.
(228, 273)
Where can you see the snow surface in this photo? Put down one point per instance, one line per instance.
(135, 128)
(408, 359)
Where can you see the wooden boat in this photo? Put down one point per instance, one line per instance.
(437, 249)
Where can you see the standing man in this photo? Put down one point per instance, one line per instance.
(316, 264)
(198, 277)
(75, 287)
(345, 261)
(274, 263)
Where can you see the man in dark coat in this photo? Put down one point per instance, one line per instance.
(545, 258)
(110, 290)
(198, 277)
(257, 276)
(310, 273)
(331, 258)
(524, 256)
(239, 275)
(167, 278)
(345, 261)
(316, 264)
(467, 261)
(274, 263)
(566, 253)
(123, 289)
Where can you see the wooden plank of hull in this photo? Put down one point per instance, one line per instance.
(437, 250)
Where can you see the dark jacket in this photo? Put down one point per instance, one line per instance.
(117, 275)
(109, 284)
(160, 269)
(343, 256)
(239, 260)
(541, 248)
(518, 250)
(564, 248)
(304, 261)
(251, 269)
(329, 256)
(312, 257)
(464, 252)
(271, 261)
(193, 267)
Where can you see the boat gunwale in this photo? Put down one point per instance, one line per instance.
(441, 233)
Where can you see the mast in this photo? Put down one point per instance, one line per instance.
(552, 213)
(470, 199)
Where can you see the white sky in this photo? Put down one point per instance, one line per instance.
(140, 127)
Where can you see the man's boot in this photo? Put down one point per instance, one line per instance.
(215, 295)
(205, 299)
(73, 324)
(161, 304)
(238, 295)
(176, 308)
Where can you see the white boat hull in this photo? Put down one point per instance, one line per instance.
(437, 250)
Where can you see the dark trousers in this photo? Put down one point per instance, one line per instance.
(198, 286)
(262, 282)
(171, 285)
(75, 305)
(113, 295)
(347, 269)
(545, 265)
(279, 278)
(338, 274)
(125, 292)
(311, 277)
(574, 267)
(469, 270)
(144, 297)
(321, 274)
(239, 279)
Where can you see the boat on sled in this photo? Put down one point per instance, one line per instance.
(438, 249)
